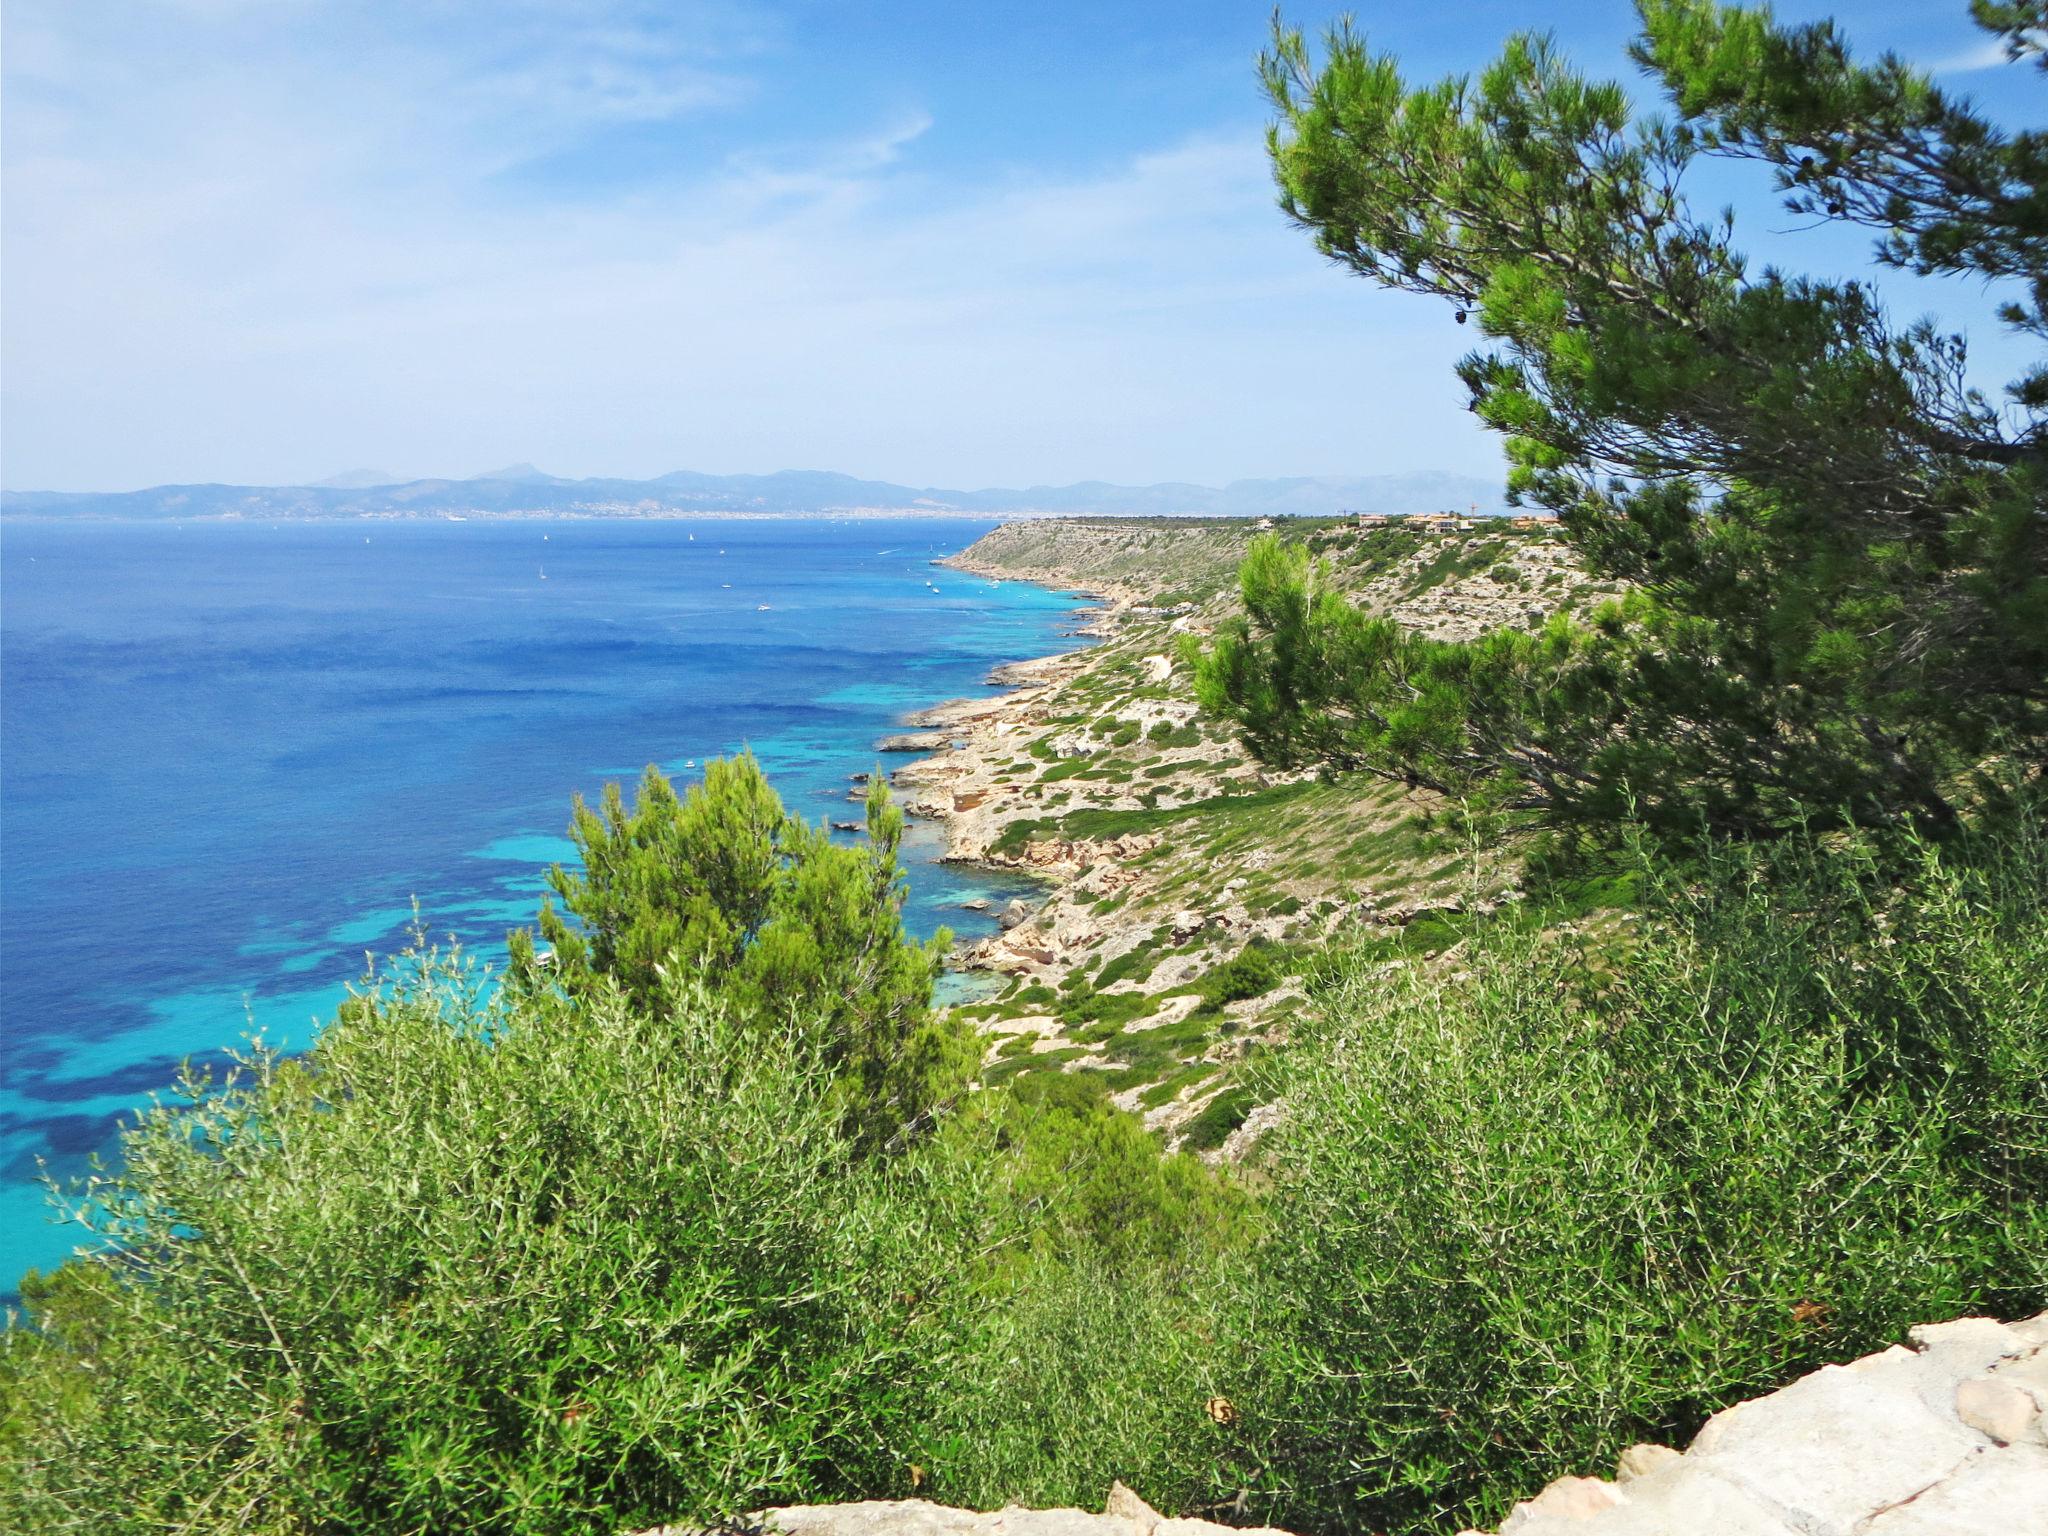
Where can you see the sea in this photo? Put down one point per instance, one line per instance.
(239, 758)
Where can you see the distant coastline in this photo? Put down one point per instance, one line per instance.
(788, 493)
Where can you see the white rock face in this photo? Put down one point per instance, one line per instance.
(1944, 1439)
(1126, 1515)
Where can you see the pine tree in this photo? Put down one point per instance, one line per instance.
(722, 885)
(1836, 548)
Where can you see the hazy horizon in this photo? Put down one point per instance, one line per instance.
(366, 478)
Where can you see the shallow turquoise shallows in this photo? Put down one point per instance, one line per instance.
(233, 756)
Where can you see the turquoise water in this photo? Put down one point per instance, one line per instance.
(235, 756)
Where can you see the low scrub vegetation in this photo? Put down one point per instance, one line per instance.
(708, 1209)
(560, 1259)
(1566, 1198)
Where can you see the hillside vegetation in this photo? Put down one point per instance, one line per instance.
(1192, 889)
(1500, 997)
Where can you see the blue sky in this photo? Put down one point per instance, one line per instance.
(944, 243)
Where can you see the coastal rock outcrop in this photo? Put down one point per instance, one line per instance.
(1945, 1438)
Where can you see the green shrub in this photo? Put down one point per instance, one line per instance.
(1218, 1118)
(1535, 1210)
(574, 1267)
(1170, 736)
(1083, 1375)
(763, 909)
(1105, 1327)
(1253, 972)
(1135, 964)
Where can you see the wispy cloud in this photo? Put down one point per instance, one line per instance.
(1986, 55)
(265, 242)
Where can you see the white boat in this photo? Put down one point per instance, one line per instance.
(543, 573)
(760, 608)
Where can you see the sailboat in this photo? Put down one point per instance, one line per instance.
(543, 573)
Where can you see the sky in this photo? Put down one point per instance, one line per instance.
(951, 244)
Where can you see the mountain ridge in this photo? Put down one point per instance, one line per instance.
(525, 491)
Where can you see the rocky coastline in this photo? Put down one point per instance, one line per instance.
(1185, 887)
(959, 784)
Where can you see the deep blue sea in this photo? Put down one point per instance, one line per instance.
(232, 756)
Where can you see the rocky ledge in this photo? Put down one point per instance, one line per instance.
(1946, 1438)
(1125, 1515)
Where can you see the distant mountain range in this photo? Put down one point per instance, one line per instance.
(523, 491)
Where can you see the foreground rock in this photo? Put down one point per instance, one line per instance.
(1943, 1439)
(1125, 1515)
(1947, 1438)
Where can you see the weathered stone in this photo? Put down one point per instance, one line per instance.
(2030, 1376)
(2000, 1493)
(1996, 1408)
(1677, 1499)
(903, 1517)
(1014, 915)
(1641, 1460)
(1567, 1499)
(1950, 1353)
(918, 1517)
(1211, 1528)
(1836, 1445)
(1126, 1505)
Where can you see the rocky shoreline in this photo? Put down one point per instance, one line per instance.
(960, 787)
(956, 785)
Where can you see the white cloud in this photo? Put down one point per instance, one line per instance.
(1986, 55)
(271, 262)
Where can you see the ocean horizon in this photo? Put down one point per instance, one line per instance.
(241, 757)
